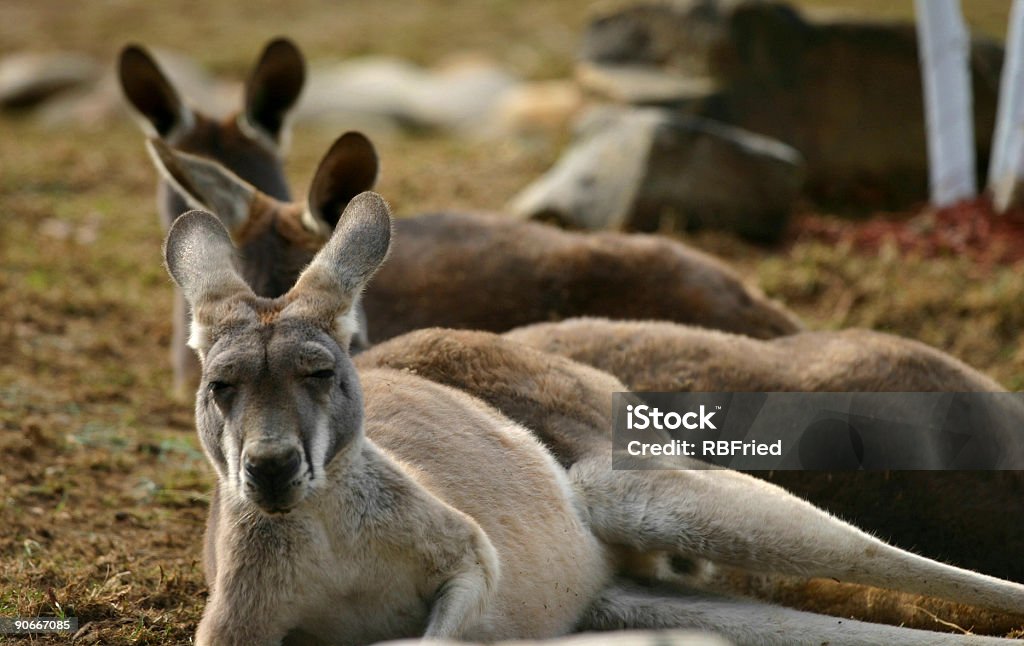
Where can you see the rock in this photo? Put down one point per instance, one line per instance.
(647, 169)
(675, 35)
(96, 105)
(27, 80)
(645, 85)
(845, 93)
(102, 102)
(539, 107)
(373, 85)
(460, 96)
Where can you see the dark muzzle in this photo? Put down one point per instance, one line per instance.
(271, 475)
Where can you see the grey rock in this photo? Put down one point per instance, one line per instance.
(457, 97)
(648, 169)
(634, 84)
(101, 103)
(677, 35)
(27, 79)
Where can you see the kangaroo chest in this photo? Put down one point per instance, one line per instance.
(361, 596)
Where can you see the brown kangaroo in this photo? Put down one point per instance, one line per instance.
(524, 272)
(973, 519)
(247, 142)
(567, 405)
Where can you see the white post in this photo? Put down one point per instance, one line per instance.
(944, 50)
(1006, 165)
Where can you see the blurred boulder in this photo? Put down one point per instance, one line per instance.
(648, 169)
(646, 85)
(672, 35)
(845, 93)
(458, 96)
(538, 107)
(27, 80)
(100, 103)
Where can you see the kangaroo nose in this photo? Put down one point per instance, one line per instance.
(269, 471)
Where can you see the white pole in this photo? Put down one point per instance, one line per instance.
(1006, 165)
(943, 49)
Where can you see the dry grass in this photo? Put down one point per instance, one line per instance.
(103, 488)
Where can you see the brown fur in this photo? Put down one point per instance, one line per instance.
(565, 403)
(568, 406)
(524, 272)
(653, 356)
(971, 519)
(245, 142)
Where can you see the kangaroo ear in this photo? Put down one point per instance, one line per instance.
(148, 91)
(199, 253)
(349, 168)
(327, 291)
(274, 86)
(205, 184)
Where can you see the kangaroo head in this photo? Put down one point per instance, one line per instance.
(247, 142)
(276, 238)
(279, 399)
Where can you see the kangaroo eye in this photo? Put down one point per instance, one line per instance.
(218, 386)
(322, 374)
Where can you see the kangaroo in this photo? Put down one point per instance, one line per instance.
(353, 508)
(724, 516)
(530, 271)
(916, 510)
(248, 142)
(657, 356)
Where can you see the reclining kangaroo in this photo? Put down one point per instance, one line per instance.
(518, 260)
(530, 272)
(940, 514)
(356, 508)
(246, 142)
(567, 405)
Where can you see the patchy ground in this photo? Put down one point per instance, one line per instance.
(103, 488)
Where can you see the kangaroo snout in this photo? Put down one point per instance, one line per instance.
(271, 476)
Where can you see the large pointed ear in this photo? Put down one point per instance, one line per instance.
(204, 184)
(151, 94)
(349, 168)
(273, 87)
(199, 253)
(327, 291)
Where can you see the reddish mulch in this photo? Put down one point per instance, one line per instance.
(969, 228)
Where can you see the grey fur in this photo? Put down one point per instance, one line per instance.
(387, 528)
